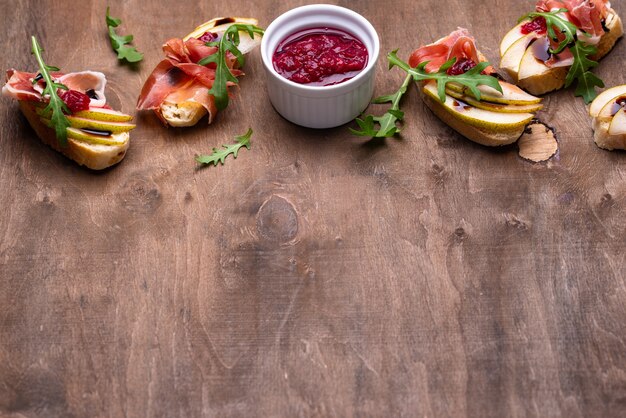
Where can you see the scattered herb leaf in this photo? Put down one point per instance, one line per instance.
(56, 108)
(471, 79)
(219, 154)
(586, 81)
(227, 43)
(387, 122)
(119, 42)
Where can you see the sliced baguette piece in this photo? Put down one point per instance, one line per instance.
(183, 114)
(537, 78)
(189, 112)
(609, 119)
(604, 139)
(93, 156)
(485, 132)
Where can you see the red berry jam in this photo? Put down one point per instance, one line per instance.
(461, 67)
(75, 100)
(320, 57)
(538, 25)
(208, 37)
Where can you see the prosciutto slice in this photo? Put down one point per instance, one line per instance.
(20, 85)
(459, 44)
(587, 15)
(179, 78)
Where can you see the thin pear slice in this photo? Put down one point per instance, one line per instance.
(511, 37)
(98, 115)
(609, 110)
(618, 123)
(109, 115)
(219, 26)
(493, 121)
(530, 65)
(512, 58)
(605, 97)
(511, 94)
(80, 135)
(495, 107)
(100, 125)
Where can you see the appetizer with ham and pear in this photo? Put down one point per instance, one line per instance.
(462, 89)
(560, 43)
(70, 114)
(608, 112)
(193, 79)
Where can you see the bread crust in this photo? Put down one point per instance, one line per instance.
(604, 140)
(95, 157)
(476, 134)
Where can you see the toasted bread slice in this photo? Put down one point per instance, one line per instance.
(537, 78)
(483, 136)
(609, 118)
(189, 112)
(498, 118)
(93, 156)
(604, 139)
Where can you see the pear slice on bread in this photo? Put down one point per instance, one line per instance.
(609, 118)
(471, 102)
(511, 37)
(97, 136)
(486, 126)
(96, 150)
(525, 58)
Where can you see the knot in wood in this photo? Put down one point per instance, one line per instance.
(277, 220)
(460, 235)
(140, 195)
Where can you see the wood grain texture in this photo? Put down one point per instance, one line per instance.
(318, 274)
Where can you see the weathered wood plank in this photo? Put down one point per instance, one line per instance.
(318, 274)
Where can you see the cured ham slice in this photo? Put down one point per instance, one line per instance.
(459, 44)
(587, 15)
(20, 85)
(178, 78)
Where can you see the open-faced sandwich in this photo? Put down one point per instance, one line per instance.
(193, 78)
(559, 43)
(491, 112)
(608, 112)
(70, 114)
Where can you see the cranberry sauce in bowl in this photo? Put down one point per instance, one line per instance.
(320, 62)
(320, 56)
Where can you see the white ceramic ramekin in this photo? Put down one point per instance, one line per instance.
(320, 106)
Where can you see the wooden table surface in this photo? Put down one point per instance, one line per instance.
(319, 274)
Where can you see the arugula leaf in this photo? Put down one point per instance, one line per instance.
(471, 79)
(564, 26)
(119, 42)
(227, 43)
(586, 81)
(387, 122)
(219, 155)
(56, 107)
